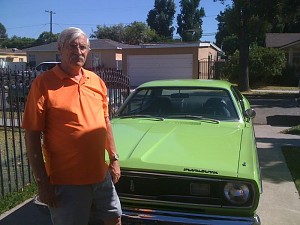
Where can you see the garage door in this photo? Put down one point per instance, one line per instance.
(142, 68)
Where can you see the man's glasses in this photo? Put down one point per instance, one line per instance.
(75, 47)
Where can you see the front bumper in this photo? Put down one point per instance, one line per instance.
(158, 217)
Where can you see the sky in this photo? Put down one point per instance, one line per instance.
(29, 18)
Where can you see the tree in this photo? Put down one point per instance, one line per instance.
(222, 28)
(287, 19)
(293, 26)
(138, 33)
(161, 18)
(249, 20)
(135, 33)
(46, 37)
(19, 42)
(115, 33)
(227, 41)
(266, 64)
(3, 34)
(190, 20)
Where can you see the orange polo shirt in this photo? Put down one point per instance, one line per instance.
(71, 117)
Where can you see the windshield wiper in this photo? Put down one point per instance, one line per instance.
(142, 116)
(194, 117)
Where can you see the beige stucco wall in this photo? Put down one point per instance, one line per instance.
(13, 57)
(43, 56)
(204, 53)
(107, 58)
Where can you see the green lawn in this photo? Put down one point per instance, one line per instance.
(292, 156)
(11, 200)
(293, 130)
(278, 88)
(11, 155)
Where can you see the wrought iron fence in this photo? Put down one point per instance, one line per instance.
(14, 167)
(210, 69)
(15, 172)
(118, 87)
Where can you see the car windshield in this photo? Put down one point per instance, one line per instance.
(180, 102)
(46, 66)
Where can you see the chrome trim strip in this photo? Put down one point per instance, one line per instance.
(149, 201)
(145, 216)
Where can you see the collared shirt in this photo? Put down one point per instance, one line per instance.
(71, 116)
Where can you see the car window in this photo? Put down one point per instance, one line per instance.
(135, 105)
(167, 102)
(46, 66)
(239, 98)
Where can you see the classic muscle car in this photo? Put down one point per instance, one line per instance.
(188, 154)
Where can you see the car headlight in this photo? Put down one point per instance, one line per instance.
(237, 193)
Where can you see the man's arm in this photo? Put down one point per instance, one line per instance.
(111, 148)
(36, 160)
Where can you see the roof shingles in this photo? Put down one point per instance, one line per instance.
(95, 44)
(277, 40)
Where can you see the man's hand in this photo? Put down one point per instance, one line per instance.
(46, 192)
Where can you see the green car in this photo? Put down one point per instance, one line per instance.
(187, 154)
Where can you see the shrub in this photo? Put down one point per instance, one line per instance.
(289, 77)
(264, 65)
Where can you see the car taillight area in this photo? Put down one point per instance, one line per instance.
(188, 191)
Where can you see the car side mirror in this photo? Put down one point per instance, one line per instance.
(250, 113)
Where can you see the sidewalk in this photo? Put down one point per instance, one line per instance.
(280, 202)
(276, 91)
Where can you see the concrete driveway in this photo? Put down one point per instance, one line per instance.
(279, 203)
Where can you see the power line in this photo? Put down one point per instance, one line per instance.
(37, 25)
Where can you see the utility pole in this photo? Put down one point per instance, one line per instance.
(51, 13)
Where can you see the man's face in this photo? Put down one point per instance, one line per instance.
(75, 52)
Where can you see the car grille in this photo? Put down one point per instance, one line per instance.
(157, 188)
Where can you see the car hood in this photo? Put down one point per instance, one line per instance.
(179, 146)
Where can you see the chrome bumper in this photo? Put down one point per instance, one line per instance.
(158, 217)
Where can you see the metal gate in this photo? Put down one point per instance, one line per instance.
(210, 69)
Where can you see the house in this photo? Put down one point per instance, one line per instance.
(143, 62)
(104, 53)
(12, 57)
(170, 61)
(288, 42)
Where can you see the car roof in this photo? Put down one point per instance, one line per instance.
(43, 63)
(188, 82)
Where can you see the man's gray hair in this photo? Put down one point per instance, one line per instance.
(70, 34)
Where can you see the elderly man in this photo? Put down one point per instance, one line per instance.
(67, 134)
